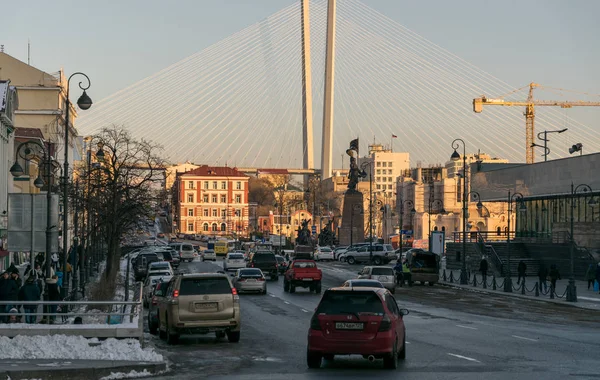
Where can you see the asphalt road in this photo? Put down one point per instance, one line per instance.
(451, 334)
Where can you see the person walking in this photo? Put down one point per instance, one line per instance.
(30, 292)
(521, 270)
(590, 276)
(53, 295)
(542, 276)
(598, 276)
(406, 274)
(554, 275)
(398, 271)
(483, 268)
(8, 287)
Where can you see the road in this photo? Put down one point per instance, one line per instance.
(451, 334)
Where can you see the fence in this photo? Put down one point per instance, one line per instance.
(124, 320)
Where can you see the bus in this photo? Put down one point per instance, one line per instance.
(221, 247)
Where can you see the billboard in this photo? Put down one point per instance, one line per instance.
(27, 222)
(438, 242)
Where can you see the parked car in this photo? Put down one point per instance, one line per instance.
(324, 253)
(357, 321)
(265, 261)
(159, 267)
(233, 261)
(341, 256)
(250, 280)
(140, 265)
(362, 284)
(185, 250)
(385, 275)
(151, 282)
(363, 254)
(200, 303)
(339, 250)
(157, 293)
(282, 264)
(303, 273)
(208, 254)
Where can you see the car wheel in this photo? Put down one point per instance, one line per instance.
(233, 336)
(220, 334)
(292, 288)
(318, 288)
(393, 290)
(402, 353)
(431, 283)
(171, 338)
(377, 260)
(286, 286)
(161, 333)
(351, 260)
(151, 327)
(390, 361)
(313, 360)
(328, 357)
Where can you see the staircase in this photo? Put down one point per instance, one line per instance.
(560, 255)
(498, 254)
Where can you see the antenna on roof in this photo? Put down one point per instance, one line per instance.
(28, 52)
(1, 48)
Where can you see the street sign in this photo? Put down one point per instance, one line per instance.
(406, 232)
(314, 229)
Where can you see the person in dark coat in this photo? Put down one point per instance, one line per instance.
(53, 295)
(554, 275)
(30, 292)
(483, 268)
(542, 275)
(598, 274)
(8, 292)
(521, 270)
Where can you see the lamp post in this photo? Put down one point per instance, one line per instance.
(518, 197)
(433, 201)
(455, 157)
(363, 167)
(571, 288)
(545, 140)
(412, 212)
(28, 151)
(84, 102)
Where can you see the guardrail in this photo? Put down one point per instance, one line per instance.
(123, 320)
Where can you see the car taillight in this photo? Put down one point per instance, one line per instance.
(234, 291)
(385, 324)
(154, 302)
(242, 280)
(315, 324)
(236, 298)
(260, 279)
(175, 293)
(251, 265)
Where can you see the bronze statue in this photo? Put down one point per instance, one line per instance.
(354, 173)
(327, 236)
(303, 234)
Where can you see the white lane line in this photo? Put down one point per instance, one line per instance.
(286, 302)
(306, 311)
(272, 295)
(522, 337)
(407, 342)
(464, 357)
(467, 327)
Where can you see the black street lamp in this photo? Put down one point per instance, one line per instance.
(84, 102)
(412, 213)
(572, 288)
(363, 167)
(455, 157)
(516, 197)
(545, 140)
(432, 202)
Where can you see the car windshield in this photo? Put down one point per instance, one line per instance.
(157, 279)
(350, 302)
(209, 251)
(366, 284)
(156, 275)
(187, 247)
(209, 285)
(236, 256)
(280, 259)
(304, 264)
(325, 249)
(154, 266)
(251, 273)
(388, 247)
(382, 271)
(167, 255)
(264, 257)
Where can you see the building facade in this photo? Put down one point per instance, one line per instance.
(387, 166)
(212, 201)
(8, 104)
(172, 171)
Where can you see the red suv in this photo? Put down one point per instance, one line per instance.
(365, 321)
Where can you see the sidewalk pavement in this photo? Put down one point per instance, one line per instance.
(586, 299)
(57, 369)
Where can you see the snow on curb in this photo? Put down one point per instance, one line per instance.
(127, 375)
(75, 348)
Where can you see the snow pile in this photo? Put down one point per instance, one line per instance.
(74, 347)
(127, 375)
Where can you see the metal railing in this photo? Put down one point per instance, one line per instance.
(495, 258)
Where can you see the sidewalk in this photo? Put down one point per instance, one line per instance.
(76, 369)
(586, 299)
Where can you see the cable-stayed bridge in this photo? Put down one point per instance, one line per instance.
(240, 101)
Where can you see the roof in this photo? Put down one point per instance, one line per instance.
(215, 171)
(29, 133)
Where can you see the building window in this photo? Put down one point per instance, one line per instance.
(377, 179)
(223, 213)
(238, 185)
(206, 213)
(223, 198)
(238, 199)
(223, 185)
(379, 164)
(215, 185)
(384, 164)
(190, 184)
(378, 187)
(190, 212)
(390, 187)
(214, 212)
(378, 171)
(190, 227)
(206, 185)
(214, 227)
(214, 199)
(389, 164)
(223, 227)
(205, 227)
(190, 198)
(205, 198)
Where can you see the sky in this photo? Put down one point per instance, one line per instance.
(117, 43)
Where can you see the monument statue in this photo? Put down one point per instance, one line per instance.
(303, 234)
(352, 229)
(354, 173)
(327, 236)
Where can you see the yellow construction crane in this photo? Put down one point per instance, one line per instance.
(529, 113)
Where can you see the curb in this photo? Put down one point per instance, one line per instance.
(523, 297)
(82, 373)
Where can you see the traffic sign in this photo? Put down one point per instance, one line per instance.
(406, 232)
(314, 229)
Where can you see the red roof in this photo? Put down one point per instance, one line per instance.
(216, 171)
(28, 133)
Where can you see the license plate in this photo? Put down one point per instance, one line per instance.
(307, 279)
(206, 305)
(251, 280)
(348, 326)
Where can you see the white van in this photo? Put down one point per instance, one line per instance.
(186, 251)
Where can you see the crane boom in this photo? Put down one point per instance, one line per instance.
(529, 105)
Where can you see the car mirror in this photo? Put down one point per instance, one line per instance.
(404, 312)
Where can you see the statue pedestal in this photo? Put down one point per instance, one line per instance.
(353, 222)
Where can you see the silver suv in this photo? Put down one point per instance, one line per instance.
(382, 254)
(186, 251)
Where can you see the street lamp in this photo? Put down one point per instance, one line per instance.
(84, 102)
(455, 157)
(363, 167)
(571, 288)
(516, 197)
(29, 151)
(412, 212)
(440, 208)
(545, 140)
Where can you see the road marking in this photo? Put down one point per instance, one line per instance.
(286, 302)
(306, 311)
(522, 337)
(407, 342)
(272, 295)
(467, 327)
(464, 357)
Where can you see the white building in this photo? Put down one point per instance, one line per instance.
(387, 166)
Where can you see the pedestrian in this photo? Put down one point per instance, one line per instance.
(483, 268)
(53, 295)
(590, 276)
(542, 276)
(30, 292)
(406, 275)
(554, 275)
(521, 270)
(398, 271)
(54, 261)
(8, 292)
(598, 276)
